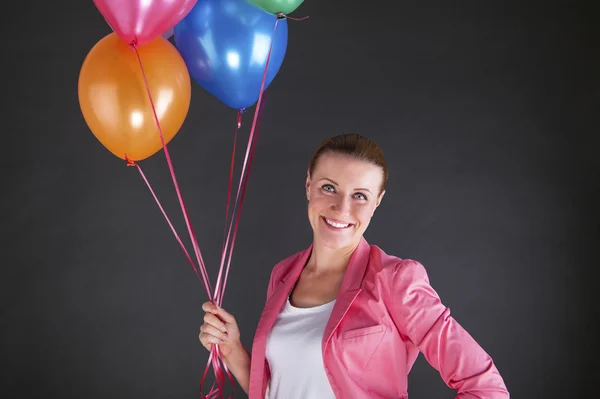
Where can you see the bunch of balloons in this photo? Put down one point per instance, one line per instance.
(135, 89)
(221, 44)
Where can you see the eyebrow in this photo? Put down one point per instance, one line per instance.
(334, 182)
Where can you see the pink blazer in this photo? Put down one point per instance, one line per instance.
(385, 314)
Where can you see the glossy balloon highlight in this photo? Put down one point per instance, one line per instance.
(140, 21)
(225, 44)
(114, 99)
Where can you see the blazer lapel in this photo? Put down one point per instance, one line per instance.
(349, 290)
(281, 292)
(269, 315)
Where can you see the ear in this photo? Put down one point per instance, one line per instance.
(379, 199)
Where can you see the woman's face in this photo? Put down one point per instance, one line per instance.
(343, 194)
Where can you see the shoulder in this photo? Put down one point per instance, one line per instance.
(281, 269)
(392, 267)
(404, 282)
(283, 266)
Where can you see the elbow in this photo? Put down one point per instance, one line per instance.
(488, 385)
(491, 390)
(497, 393)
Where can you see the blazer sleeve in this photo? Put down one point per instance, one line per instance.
(420, 316)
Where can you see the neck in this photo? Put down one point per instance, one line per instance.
(327, 260)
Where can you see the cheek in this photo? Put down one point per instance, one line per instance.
(364, 213)
(317, 201)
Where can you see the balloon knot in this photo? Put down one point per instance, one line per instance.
(239, 117)
(129, 161)
(281, 15)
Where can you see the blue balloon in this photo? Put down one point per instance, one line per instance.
(225, 44)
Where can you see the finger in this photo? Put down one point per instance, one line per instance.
(210, 307)
(212, 330)
(211, 319)
(206, 345)
(227, 317)
(202, 339)
(207, 338)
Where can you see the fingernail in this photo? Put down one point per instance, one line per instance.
(224, 336)
(223, 329)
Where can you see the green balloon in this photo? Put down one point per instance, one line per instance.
(276, 6)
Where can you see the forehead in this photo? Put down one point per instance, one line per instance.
(348, 171)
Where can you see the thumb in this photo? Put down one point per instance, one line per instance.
(226, 316)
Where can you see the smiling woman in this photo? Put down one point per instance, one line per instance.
(343, 319)
(345, 184)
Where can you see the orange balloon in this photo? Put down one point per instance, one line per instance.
(114, 100)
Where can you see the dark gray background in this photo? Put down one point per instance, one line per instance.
(487, 112)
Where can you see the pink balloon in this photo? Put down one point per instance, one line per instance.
(140, 21)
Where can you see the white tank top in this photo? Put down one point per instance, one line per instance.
(295, 356)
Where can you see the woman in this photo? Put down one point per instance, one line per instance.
(343, 319)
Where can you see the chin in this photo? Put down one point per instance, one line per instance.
(330, 241)
(334, 244)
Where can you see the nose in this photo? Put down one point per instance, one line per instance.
(341, 205)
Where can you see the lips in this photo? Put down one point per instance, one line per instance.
(337, 224)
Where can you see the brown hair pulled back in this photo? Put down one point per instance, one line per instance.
(353, 145)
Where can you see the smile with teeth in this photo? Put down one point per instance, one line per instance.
(336, 224)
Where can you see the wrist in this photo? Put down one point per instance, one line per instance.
(236, 349)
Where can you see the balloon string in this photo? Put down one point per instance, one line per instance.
(239, 201)
(214, 356)
(187, 255)
(199, 258)
(213, 360)
(205, 374)
(219, 374)
(243, 193)
(233, 151)
(281, 15)
(218, 294)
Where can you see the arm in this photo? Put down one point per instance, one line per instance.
(238, 362)
(420, 315)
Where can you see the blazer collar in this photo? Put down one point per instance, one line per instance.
(354, 273)
(351, 283)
